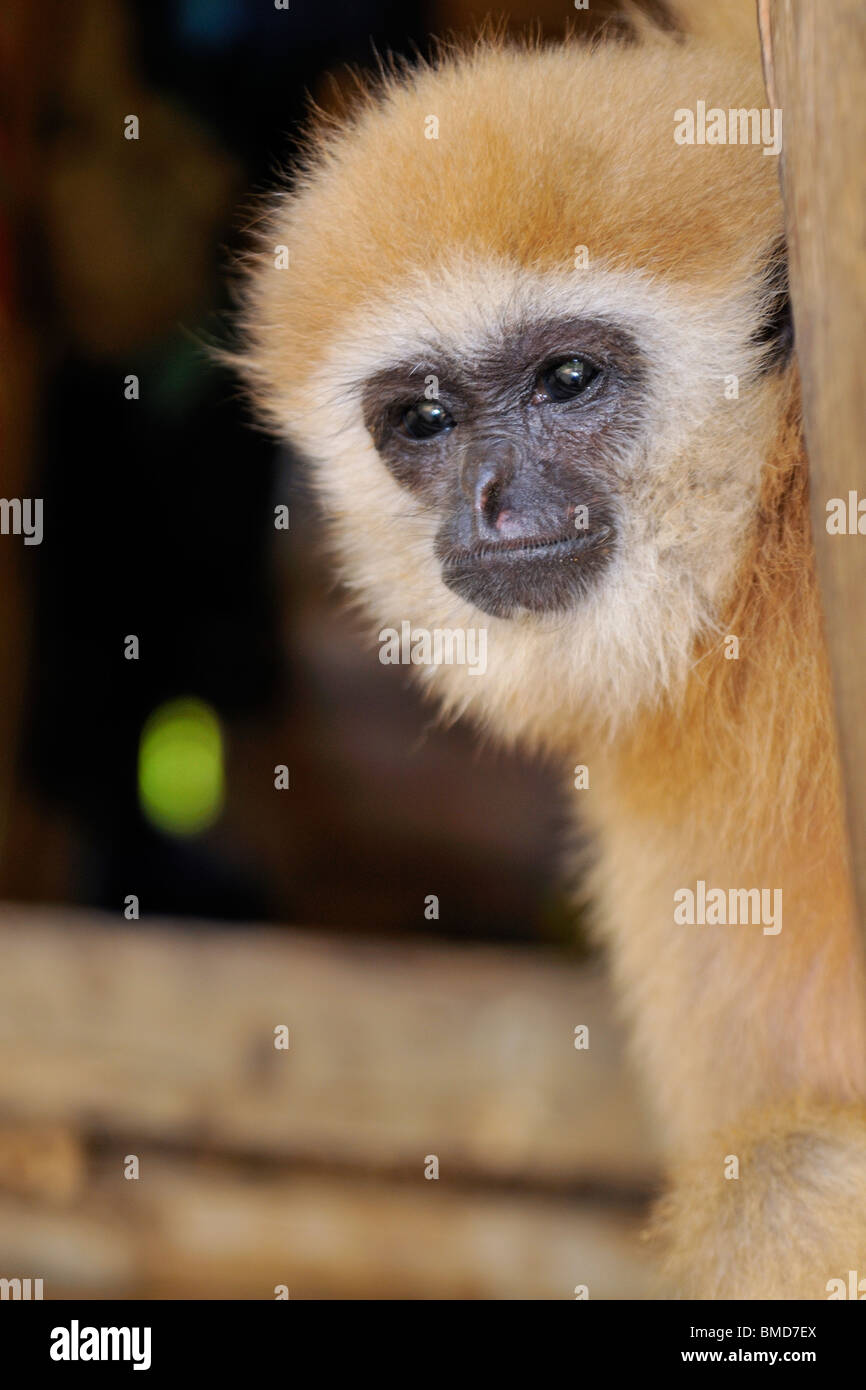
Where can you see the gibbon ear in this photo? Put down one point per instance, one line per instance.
(775, 330)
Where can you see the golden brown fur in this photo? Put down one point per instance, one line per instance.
(753, 1045)
(749, 1052)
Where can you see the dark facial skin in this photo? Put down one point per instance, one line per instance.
(509, 453)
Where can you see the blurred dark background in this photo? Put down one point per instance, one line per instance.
(115, 257)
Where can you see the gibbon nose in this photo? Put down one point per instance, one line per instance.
(509, 505)
(498, 512)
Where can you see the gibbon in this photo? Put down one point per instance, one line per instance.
(535, 344)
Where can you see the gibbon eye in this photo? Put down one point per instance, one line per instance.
(426, 419)
(565, 380)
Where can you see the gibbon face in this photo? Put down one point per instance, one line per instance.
(533, 350)
(513, 452)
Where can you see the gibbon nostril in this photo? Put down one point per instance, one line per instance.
(488, 499)
(498, 521)
(489, 508)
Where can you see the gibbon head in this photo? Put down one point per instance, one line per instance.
(535, 351)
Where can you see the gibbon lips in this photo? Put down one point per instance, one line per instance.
(538, 574)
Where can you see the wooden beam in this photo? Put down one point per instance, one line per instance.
(209, 1229)
(814, 59)
(167, 1032)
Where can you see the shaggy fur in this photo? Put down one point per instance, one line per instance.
(700, 767)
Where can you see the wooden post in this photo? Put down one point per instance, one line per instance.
(814, 59)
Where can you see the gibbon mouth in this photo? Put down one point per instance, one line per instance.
(525, 547)
(541, 574)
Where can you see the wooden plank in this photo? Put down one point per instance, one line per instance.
(167, 1032)
(814, 58)
(206, 1229)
